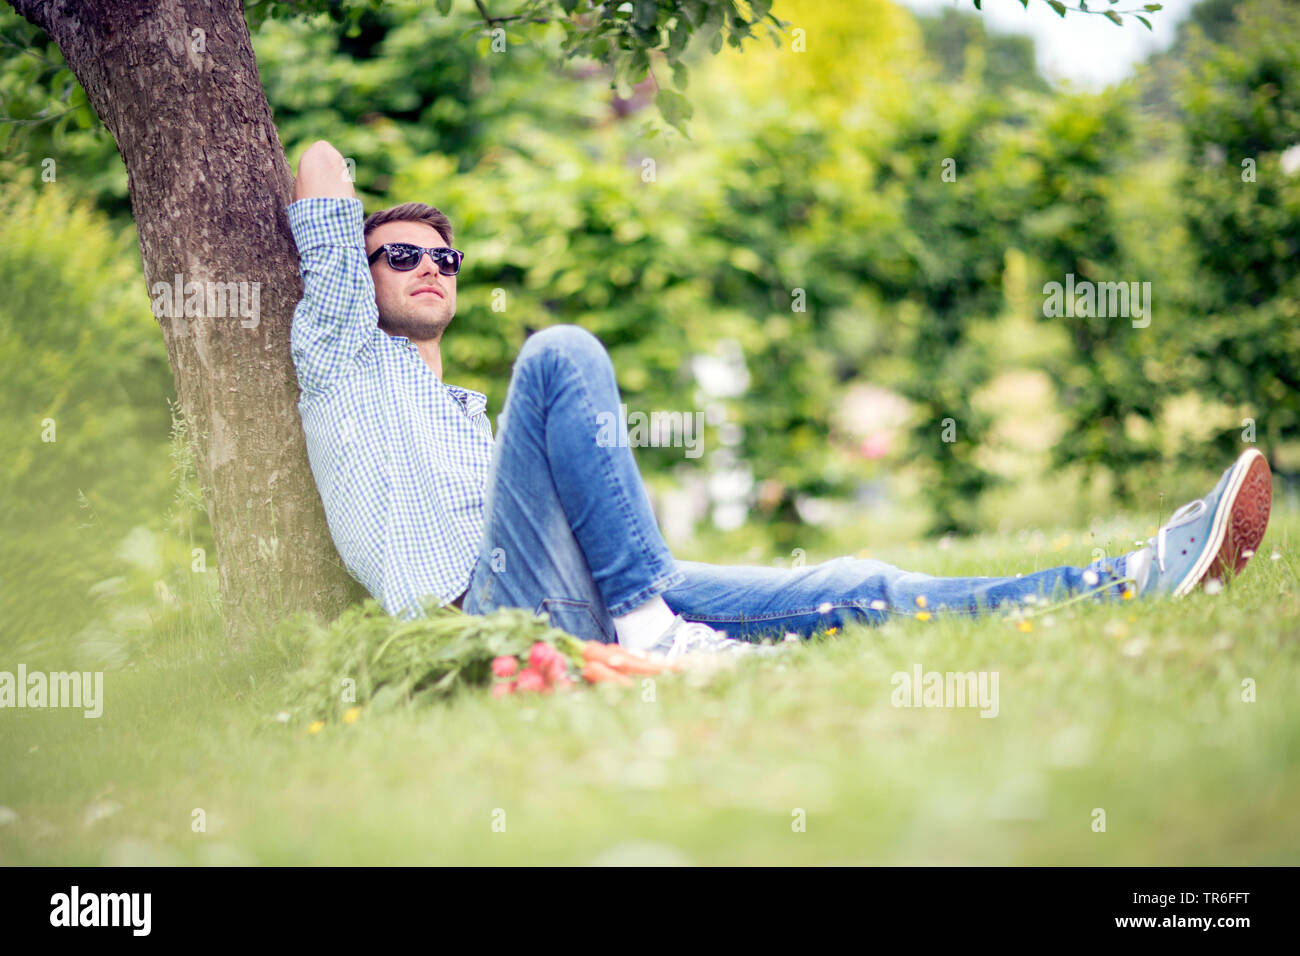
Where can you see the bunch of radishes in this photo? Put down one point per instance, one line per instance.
(547, 670)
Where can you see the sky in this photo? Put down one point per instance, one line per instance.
(1089, 52)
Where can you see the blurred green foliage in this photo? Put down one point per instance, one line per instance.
(85, 434)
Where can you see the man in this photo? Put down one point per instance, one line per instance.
(424, 505)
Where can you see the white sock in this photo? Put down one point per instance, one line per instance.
(1138, 566)
(644, 624)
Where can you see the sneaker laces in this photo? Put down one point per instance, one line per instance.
(692, 636)
(1184, 515)
(689, 637)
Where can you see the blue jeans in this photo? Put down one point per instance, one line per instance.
(569, 530)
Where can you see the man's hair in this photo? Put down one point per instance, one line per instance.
(410, 212)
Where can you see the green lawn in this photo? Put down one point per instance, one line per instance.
(1133, 708)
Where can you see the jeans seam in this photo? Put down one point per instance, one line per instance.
(787, 612)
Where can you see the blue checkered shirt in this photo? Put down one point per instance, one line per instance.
(400, 457)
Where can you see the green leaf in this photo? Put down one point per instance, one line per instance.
(1114, 18)
(444, 7)
(680, 75)
(1145, 22)
(640, 66)
(977, 5)
(678, 37)
(645, 13)
(1058, 6)
(676, 109)
(1152, 7)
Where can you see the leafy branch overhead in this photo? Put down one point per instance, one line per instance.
(1114, 16)
(624, 37)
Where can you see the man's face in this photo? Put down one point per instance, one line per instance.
(418, 304)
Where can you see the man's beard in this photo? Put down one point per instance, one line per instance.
(415, 328)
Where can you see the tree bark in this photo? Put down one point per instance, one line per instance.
(176, 83)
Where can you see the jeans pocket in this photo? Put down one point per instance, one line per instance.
(576, 618)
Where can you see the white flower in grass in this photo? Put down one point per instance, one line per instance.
(100, 810)
(1134, 648)
(1091, 578)
(1213, 586)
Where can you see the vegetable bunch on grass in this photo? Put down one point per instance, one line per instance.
(367, 658)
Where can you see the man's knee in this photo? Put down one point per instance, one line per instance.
(570, 340)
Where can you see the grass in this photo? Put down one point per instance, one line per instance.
(1135, 709)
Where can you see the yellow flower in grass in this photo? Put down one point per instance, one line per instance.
(1024, 626)
(315, 726)
(920, 600)
(923, 615)
(351, 714)
(1128, 594)
(831, 630)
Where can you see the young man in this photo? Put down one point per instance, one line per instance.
(424, 505)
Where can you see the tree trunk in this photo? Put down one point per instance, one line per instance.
(176, 84)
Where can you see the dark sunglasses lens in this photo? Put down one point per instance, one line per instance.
(448, 263)
(403, 258)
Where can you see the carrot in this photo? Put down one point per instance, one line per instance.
(632, 663)
(595, 672)
(597, 651)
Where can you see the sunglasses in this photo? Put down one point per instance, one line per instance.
(404, 257)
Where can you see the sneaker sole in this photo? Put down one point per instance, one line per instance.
(1239, 523)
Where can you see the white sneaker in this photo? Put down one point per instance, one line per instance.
(690, 637)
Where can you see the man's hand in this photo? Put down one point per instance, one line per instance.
(322, 172)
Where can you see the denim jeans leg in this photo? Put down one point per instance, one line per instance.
(568, 526)
(754, 602)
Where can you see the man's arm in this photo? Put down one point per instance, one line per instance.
(337, 314)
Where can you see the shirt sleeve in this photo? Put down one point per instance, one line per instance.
(337, 315)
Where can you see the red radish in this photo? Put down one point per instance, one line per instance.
(554, 669)
(540, 654)
(530, 679)
(504, 666)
